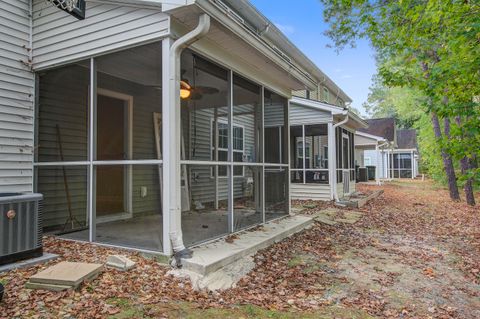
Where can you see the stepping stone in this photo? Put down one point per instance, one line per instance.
(64, 275)
(120, 262)
(33, 285)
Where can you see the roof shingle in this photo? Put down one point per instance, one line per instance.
(384, 127)
(407, 139)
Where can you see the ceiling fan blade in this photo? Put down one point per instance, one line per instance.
(207, 90)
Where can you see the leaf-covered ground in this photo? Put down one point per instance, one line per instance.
(413, 254)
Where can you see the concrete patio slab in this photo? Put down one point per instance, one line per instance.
(210, 257)
(66, 274)
(28, 262)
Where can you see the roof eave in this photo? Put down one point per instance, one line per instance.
(273, 34)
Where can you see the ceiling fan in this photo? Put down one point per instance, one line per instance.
(192, 91)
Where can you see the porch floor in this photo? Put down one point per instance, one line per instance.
(146, 232)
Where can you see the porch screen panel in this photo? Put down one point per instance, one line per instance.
(127, 186)
(352, 155)
(128, 206)
(276, 128)
(276, 192)
(276, 179)
(405, 165)
(296, 149)
(61, 137)
(129, 96)
(64, 190)
(247, 148)
(205, 139)
(62, 116)
(396, 165)
(339, 138)
(316, 155)
(204, 114)
(204, 200)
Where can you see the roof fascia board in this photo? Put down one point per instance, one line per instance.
(174, 4)
(335, 110)
(272, 31)
(255, 41)
(375, 137)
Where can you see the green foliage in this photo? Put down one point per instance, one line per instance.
(429, 47)
(404, 104)
(408, 106)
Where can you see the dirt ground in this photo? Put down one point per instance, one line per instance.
(412, 254)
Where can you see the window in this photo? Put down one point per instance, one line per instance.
(326, 95)
(341, 103)
(238, 140)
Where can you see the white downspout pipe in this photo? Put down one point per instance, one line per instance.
(334, 162)
(175, 210)
(380, 157)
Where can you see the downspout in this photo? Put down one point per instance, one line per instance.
(379, 158)
(334, 163)
(175, 211)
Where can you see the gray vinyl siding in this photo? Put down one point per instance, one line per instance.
(274, 115)
(306, 115)
(68, 108)
(310, 191)
(362, 140)
(16, 98)
(59, 38)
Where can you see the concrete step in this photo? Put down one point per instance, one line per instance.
(211, 257)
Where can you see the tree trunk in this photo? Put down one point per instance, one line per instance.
(467, 164)
(447, 159)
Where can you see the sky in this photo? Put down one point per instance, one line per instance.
(302, 22)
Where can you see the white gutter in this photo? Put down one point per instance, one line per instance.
(334, 163)
(174, 169)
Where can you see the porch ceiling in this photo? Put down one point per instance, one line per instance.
(247, 57)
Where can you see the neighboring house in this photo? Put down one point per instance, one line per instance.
(159, 124)
(393, 152)
(319, 132)
(406, 156)
(374, 144)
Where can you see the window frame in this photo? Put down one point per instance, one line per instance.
(326, 95)
(222, 149)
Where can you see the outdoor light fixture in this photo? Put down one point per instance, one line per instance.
(185, 90)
